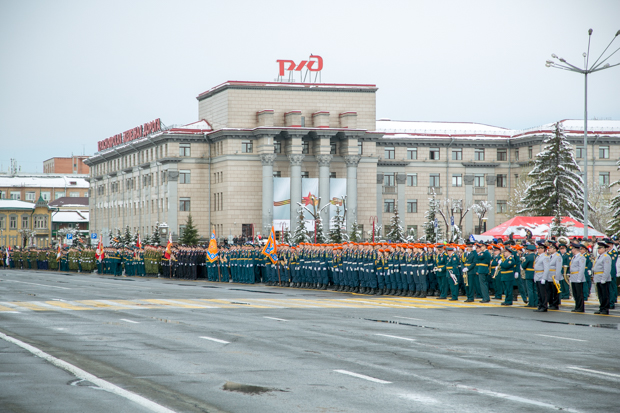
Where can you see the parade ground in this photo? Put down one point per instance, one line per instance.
(72, 342)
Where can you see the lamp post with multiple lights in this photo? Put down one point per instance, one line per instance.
(597, 66)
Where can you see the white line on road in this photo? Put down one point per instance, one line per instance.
(130, 321)
(400, 338)
(81, 374)
(595, 372)
(361, 376)
(409, 318)
(216, 340)
(278, 319)
(563, 338)
(42, 285)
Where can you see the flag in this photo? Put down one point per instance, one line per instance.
(169, 247)
(58, 253)
(139, 242)
(271, 249)
(8, 256)
(212, 250)
(99, 253)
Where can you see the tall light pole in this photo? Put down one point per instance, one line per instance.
(597, 66)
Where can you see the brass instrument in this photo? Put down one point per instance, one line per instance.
(522, 269)
(563, 241)
(466, 279)
(557, 285)
(498, 268)
(456, 282)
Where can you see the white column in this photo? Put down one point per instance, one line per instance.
(296, 160)
(324, 163)
(267, 216)
(351, 161)
(469, 198)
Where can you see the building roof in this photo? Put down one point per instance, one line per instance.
(70, 216)
(67, 201)
(44, 181)
(11, 204)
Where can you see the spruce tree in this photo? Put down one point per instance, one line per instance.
(396, 233)
(300, 234)
(127, 238)
(557, 185)
(190, 233)
(556, 229)
(336, 233)
(356, 233)
(320, 233)
(430, 216)
(155, 236)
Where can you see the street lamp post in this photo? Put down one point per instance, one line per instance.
(597, 66)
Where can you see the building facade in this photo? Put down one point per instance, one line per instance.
(223, 168)
(25, 224)
(71, 165)
(29, 187)
(70, 214)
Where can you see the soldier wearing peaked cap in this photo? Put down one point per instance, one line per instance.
(542, 277)
(601, 274)
(577, 277)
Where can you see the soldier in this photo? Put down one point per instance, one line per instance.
(613, 286)
(453, 269)
(542, 277)
(601, 274)
(494, 281)
(483, 261)
(527, 265)
(440, 272)
(555, 268)
(508, 273)
(577, 274)
(566, 255)
(469, 271)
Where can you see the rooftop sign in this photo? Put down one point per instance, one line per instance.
(313, 64)
(130, 135)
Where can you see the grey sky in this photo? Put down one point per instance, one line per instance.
(75, 72)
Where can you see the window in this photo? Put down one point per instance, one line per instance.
(185, 149)
(389, 153)
(332, 174)
(457, 154)
(435, 181)
(45, 195)
(305, 147)
(303, 121)
(516, 154)
(412, 154)
(479, 180)
(530, 152)
(30, 196)
(479, 154)
(502, 154)
(333, 148)
(277, 174)
(603, 152)
(77, 194)
(388, 179)
(16, 195)
(305, 174)
(13, 223)
(360, 148)
(412, 231)
(580, 152)
(457, 180)
(185, 177)
(516, 178)
(502, 207)
(247, 146)
(40, 222)
(412, 179)
(433, 154)
(388, 205)
(25, 222)
(184, 204)
(412, 206)
(502, 180)
(603, 178)
(2, 222)
(277, 147)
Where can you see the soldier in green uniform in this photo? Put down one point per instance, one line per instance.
(566, 257)
(483, 261)
(496, 282)
(527, 264)
(441, 273)
(453, 270)
(507, 274)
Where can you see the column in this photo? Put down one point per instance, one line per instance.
(379, 202)
(469, 199)
(324, 162)
(401, 180)
(267, 161)
(173, 202)
(296, 160)
(491, 197)
(351, 161)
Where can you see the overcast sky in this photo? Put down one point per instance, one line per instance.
(75, 72)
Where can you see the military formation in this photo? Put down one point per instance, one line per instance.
(541, 273)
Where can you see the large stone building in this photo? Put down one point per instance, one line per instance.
(243, 165)
(69, 165)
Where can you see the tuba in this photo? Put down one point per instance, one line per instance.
(563, 241)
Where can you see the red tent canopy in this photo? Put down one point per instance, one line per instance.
(539, 226)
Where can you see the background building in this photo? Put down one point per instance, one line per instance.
(25, 223)
(29, 187)
(70, 213)
(258, 141)
(72, 165)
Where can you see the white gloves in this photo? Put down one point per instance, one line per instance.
(542, 282)
(465, 269)
(602, 282)
(516, 275)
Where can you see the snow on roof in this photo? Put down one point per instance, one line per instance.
(70, 216)
(43, 181)
(67, 201)
(14, 204)
(287, 84)
(398, 126)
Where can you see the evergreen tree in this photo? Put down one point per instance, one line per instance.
(300, 235)
(557, 185)
(430, 216)
(356, 233)
(320, 233)
(556, 229)
(336, 233)
(147, 240)
(286, 237)
(190, 233)
(155, 236)
(396, 233)
(127, 237)
(134, 240)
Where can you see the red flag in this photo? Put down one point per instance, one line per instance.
(99, 253)
(169, 247)
(139, 243)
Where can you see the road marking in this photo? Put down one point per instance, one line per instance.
(401, 338)
(41, 285)
(361, 376)
(409, 318)
(129, 321)
(81, 374)
(34, 306)
(278, 319)
(216, 340)
(595, 372)
(563, 338)
(66, 305)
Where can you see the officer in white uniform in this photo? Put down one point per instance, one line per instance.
(577, 274)
(542, 277)
(601, 276)
(555, 268)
